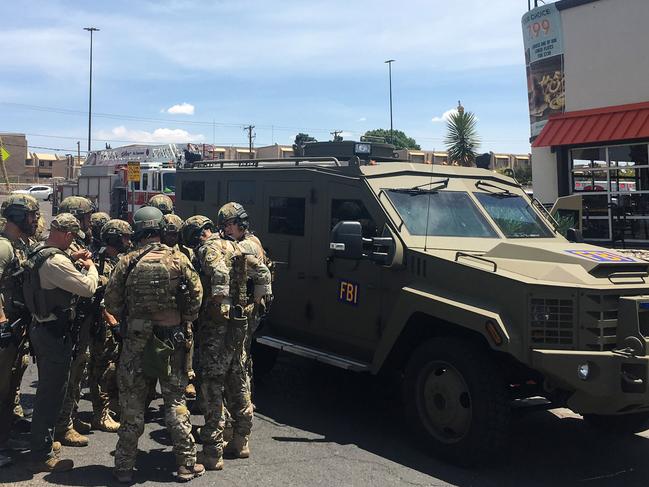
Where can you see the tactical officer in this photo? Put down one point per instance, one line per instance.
(51, 283)
(156, 291)
(163, 203)
(233, 223)
(69, 429)
(115, 238)
(222, 329)
(171, 238)
(20, 213)
(97, 221)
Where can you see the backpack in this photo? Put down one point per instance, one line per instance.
(41, 302)
(151, 282)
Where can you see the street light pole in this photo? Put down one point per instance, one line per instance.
(91, 30)
(389, 63)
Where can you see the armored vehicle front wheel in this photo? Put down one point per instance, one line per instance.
(623, 424)
(456, 401)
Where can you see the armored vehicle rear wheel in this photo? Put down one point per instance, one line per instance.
(624, 424)
(456, 402)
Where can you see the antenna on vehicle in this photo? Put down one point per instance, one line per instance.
(430, 193)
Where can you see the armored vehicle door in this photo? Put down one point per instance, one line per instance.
(347, 294)
(288, 237)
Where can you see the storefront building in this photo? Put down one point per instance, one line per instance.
(589, 111)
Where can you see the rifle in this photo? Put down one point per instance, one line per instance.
(99, 294)
(12, 332)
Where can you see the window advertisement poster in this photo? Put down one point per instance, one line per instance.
(543, 41)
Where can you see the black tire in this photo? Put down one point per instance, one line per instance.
(625, 424)
(456, 401)
(263, 359)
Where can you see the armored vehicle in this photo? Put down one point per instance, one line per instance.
(451, 277)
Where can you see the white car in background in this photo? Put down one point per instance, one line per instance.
(39, 192)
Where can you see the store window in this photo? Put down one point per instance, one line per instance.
(614, 183)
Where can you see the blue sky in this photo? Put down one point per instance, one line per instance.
(284, 66)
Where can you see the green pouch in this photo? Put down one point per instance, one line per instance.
(156, 358)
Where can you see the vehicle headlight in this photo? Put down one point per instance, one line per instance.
(363, 148)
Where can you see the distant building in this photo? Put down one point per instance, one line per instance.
(497, 161)
(275, 151)
(18, 164)
(47, 166)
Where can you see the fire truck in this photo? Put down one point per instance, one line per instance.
(103, 178)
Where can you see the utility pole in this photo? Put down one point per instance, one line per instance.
(389, 63)
(251, 136)
(336, 134)
(91, 30)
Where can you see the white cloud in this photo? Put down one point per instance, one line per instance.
(181, 109)
(445, 116)
(362, 119)
(158, 136)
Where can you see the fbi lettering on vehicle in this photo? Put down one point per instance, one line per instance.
(348, 292)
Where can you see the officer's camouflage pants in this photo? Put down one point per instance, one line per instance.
(77, 371)
(132, 384)
(12, 360)
(221, 340)
(102, 375)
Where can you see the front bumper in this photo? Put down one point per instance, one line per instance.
(616, 383)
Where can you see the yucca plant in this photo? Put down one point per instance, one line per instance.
(462, 140)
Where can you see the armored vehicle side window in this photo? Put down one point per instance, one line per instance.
(193, 190)
(242, 192)
(286, 215)
(449, 214)
(353, 210)
(514, 216)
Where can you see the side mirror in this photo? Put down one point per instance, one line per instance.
(347, 240)
(574, 235)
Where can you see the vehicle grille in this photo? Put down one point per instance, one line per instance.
(599, 321)
(552, 322)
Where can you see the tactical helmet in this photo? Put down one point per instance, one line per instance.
(172, 223)
(77, 205)
(98, 220)
(15, 209)
(147, 221)
(192, 228)
(113, 231)
(232, 211)
(163, 203)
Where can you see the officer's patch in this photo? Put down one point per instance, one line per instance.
(601, 256)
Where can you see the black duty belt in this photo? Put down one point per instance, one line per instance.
(175, 334)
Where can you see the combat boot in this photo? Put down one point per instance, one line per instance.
(82, 427)
(53, 465)
(72, 437)
(123, 476)
(210, 462)
(237, 447)
(190, 391)
(105, 422)
(185, 474)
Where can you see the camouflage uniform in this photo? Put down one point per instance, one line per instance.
(14, 357)
(130, 377)
(102, 378)
(224, 270)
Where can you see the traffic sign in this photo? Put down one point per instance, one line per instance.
(5, 154)
(133, 172)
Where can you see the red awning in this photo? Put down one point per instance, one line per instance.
(623, 122)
